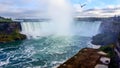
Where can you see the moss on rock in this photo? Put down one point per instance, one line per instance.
(10, 30)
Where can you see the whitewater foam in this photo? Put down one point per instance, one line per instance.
(4, 62)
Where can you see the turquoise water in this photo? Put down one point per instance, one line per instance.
(45, 52)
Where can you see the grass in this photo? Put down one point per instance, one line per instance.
(108, 49)
(5, 20)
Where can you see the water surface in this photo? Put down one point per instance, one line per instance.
(46, 51)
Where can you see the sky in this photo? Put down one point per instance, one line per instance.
(38, 8)
(97, 3)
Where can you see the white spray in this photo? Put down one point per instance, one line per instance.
(60, 12)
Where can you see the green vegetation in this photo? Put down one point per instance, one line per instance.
(2, 19)
(9, 30)
(11, 37)
(109, 49)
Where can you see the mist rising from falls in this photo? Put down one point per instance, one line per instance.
(60, 13)
(61, 22)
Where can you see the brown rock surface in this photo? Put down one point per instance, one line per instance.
(86, 58)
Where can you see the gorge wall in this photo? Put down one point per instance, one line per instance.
(8, 28)
(10, 31)
(110, 35)
(109, 31)
(111, 25)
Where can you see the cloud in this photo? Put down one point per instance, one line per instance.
(113, 6)
(29, 8)
(105, 12)
(38, 8)
(22, 8)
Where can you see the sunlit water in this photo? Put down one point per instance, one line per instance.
(48, 51)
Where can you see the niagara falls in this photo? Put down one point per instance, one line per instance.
(59, 34)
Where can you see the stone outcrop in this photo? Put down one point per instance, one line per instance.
(111, 25)
(87, 58)
(8, 28)
(109, 34)
(109, 30)
(10, 31)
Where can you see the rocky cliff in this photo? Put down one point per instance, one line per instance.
(109, 30)
(110, 34)
(8, 28)
(111, 25)
(10, 31)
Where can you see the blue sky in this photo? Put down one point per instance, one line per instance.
(31, 8)
(97, 3)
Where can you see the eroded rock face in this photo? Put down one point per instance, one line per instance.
(10, 31)
(109, 30)
(9, 27)
(109, 34)
(111, 25)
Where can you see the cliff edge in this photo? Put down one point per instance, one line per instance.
(10, 30)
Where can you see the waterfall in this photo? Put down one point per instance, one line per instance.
(60, 22)
(81, 28)
(36, 29)
(84, 28)
(60, 14)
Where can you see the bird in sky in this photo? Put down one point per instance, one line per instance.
(82, 5)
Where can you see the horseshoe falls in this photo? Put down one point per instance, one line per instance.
(81, 28)
(49, 43)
